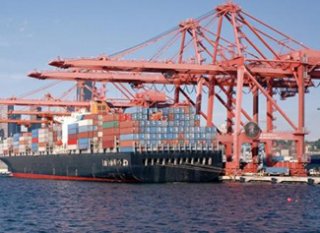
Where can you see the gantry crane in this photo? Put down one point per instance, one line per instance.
(257, 58)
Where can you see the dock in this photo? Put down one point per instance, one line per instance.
(271, 179)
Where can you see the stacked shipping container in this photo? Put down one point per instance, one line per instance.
(72, 136)
(165, 128)
(138, 129)
(111, 131)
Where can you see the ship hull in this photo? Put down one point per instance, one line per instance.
(151, 167)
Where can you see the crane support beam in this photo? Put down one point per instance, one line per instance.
(150, 79)
(24, 122)
(35, 102)
(37, 113)
(52, 103)
(165, 67)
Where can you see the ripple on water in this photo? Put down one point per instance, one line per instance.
(61, 206)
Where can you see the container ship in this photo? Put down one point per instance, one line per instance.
(141, 144)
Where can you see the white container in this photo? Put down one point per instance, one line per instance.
(42, 148)
(85, 122)
(72, 147)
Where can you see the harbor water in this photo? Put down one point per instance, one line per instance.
(63, 206)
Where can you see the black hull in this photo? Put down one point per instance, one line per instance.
(151, 167)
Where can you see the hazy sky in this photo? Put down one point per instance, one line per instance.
(32, 32)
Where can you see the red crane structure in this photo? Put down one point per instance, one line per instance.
(225, 52)
(39, 113)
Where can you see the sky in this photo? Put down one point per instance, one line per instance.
(33, 32)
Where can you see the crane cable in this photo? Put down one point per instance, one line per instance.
(40, 89)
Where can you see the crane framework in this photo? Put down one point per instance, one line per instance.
(225, 52)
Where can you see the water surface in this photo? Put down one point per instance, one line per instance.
(65, 206)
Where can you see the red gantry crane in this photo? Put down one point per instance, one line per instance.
(226, 52)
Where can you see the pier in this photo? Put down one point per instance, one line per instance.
(272, 179)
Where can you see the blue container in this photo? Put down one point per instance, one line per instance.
(170, 130)
(73, 131)
(16, 137)
(125, 137)
(133, 110)
(142, 123)
(278, 158)
(277, 170)
(83, 143)
(35, 133)
(34, 147)
(126, 149)
(86, 128)
(73, 126)
(163, 136)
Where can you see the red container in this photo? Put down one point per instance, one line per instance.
(108, 144)
(72, 141)
(35, 140)
(108, 138)
(91, 117)
(87, 134)
(125, 117)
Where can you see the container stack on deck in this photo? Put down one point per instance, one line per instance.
(25, 140)
(7, 146)
(16, 143)
(165, 128)
(111, 131)
(139, 129)
(35, 140)
(72, 136)
(87, 133)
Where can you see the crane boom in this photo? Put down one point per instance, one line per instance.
(173, 68)
(42, 113)
(37, 102)
(176, 79)
(24, 121)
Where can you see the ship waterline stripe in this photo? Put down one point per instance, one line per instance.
(76, 178)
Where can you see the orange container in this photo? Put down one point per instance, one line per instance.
(110, 131)
(129, 130)
(87, 135)
(42, 144)
(127, 143)
(111, 117)
(91, 116)
(129, 124)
